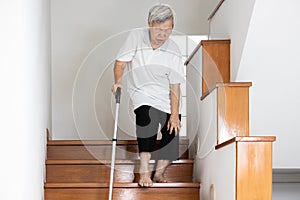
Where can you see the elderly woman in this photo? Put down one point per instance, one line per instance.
(155, 72)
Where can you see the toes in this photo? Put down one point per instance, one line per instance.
(148, 184)
(145, 182)
(159, 179)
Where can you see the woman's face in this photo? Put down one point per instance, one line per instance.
(160, 32)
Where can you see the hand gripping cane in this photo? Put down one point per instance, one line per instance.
(114, 144)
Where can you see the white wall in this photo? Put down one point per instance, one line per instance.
(271, 60)
(232, 22)
(216, 173)
(193, 90)
(86, 35)
(214, 168)
(25, 97)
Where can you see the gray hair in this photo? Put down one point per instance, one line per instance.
(160, 13)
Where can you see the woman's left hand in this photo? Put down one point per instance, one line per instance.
(174, 124)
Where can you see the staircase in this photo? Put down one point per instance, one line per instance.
(231, 163)
(80, 170)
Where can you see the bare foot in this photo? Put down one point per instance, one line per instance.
(160, 170)
(159, 178)
(145, 174)
(145, 180)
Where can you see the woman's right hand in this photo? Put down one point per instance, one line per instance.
(115, 86)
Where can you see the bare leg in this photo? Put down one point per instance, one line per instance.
(160, 170)
(145, 174)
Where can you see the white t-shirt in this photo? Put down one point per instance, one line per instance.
(150, 72)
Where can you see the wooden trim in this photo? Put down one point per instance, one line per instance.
(182, 141)
(215, 10)
(215, 63)
(254, 170)
(231, 84)
(253, 166)
(204, 95)
(135, 192)
(232, 109)
(223, 144)
(218, 54)
(234, 84)
(126, 171)
(47, 134)
(89, 142)
(256, 139)
(106, 162)
(232, 112)
(192, 54)
(102, 152)
(246, 139)
(204, 42)
(207, 42)
(119, 185)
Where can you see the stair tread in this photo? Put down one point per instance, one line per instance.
(119, 185)
(105, 162)
(182, 141)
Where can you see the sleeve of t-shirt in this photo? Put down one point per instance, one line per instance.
(177, 71)
(128, 49)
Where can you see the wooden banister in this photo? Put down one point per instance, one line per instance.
(215, 10)
(253, 166)
(229, 115)
(192, 54)
(232, 110)
(215, 63)
(246, 139)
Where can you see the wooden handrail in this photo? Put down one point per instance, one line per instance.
(202, 42)
(231, 84)
(192, 54)
(246, 139)
(215, 10)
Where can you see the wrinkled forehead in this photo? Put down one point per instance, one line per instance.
(163, 25)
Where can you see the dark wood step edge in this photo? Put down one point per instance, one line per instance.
(107, 162)
(119, 185)
(182, 141)
(246, 139)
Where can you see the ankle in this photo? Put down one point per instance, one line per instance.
(145, 155)
(144, 162)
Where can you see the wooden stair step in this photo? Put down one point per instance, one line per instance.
(107, 162)
(101, 149)
(99, 171)
(182, 141)
(119, 185)
(122, 191)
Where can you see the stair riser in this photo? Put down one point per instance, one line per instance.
(101, 173)
(100, 152)
(123, 194)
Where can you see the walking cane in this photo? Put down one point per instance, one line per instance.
(114, 143)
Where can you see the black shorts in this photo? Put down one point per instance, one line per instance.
(147, 127)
